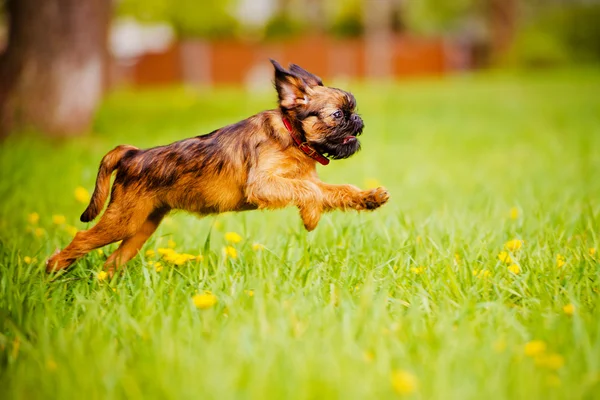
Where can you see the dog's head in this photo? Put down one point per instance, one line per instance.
(325, 116)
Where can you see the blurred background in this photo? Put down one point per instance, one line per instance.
(58, 58)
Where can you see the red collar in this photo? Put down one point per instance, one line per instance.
(305, 147)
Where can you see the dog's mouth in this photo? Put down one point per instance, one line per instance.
(349, 139)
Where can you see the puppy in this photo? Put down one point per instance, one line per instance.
(265, 161)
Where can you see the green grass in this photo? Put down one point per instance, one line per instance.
(336, 312)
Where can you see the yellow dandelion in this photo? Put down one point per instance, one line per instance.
(504, 257)
(560, 261)
(39, 232)
(51, 365)
(418, 270)
(250, 293)
(484, 273)
(515, 269)
(569, 309)
(550, 361)
(371, 183)
(257, 247)
(158, 266)
(368, 356)
(150, 253)
(499, 345)
(102, 276)
(27, 260)
(33, 218)
(171, 244)
(230, 252)
(82, 195)
(513, 213)
(404, 382)
(71, 230)
(180, 259)
(592, 251)
(164, 252)
(535, 348)
(199, 257)
(513, 245)
(58, 219)
(204, 300)
(100, 251)
(233, 237)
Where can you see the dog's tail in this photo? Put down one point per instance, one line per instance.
(109, 163)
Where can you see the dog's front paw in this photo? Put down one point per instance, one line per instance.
(375, 198)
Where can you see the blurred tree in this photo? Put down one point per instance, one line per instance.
(52, 73)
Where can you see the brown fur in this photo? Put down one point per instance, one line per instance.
(253, 164)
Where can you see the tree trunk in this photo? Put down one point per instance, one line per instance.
(502, 19)
(52, 73)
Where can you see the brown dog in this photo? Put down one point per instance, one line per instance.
(265, 161)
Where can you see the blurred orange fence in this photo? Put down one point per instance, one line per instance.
(242, 63)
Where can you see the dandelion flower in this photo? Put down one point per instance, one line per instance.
(515, 269)
(100, 251)
(165, 252)
(569, 309)
(233, 237)
(230, 252)
(39, 232)
(560, 261)
(71, 230)
(484, 273)
(550, 361)
(158, 266)
(535, 348)
(199, 257)
(58, 219)
(513, 213)
(33, 218)
(82, 195)
(102, 275)
(51, 365)
(250, 293)
(592, 251)
(504, 257)
(404, 382)
(257, 247)
(418, 270)
(171, 244)
(499, 345)
(513, 245)
(27, 260)
(150, 253)
(204, 300)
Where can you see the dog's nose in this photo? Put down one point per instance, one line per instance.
(355, 118)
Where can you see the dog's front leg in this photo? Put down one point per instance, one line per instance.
(277, 192)
(350, 197)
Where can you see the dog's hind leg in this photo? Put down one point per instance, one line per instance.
(121, 220)
(130, 246)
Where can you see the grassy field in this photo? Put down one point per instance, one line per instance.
(414, 300)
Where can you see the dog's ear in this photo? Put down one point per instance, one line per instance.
(291, 88)
(310, 79)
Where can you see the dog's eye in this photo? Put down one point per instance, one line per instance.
(337, 114)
